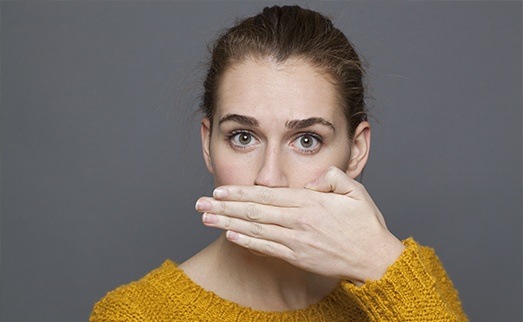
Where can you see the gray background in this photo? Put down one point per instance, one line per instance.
(101, 162)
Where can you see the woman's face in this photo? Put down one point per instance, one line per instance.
(276, 125)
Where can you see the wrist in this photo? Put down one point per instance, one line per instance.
(380, 259)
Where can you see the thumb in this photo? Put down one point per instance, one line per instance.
(332, 180)
(336, 181)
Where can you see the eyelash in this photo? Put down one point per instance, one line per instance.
(312, 135)
(233, 134)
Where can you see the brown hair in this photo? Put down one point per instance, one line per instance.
(291, 32)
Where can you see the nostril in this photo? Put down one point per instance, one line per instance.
(272, 172)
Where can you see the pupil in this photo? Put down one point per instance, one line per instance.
(245, 138)
(306, 142)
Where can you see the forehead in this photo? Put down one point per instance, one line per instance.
(267, 89)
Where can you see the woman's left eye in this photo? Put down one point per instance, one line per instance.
(308, 143)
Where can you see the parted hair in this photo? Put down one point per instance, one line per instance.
(281, 33)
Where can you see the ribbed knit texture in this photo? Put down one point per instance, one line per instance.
(414, 288)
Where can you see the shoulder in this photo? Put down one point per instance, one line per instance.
(137, 300)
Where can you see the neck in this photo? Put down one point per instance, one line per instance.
(263, 283)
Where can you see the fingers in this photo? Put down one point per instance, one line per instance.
(247, 211)
(334, 180)
(253, 229)
(265, 247)
(281, 197)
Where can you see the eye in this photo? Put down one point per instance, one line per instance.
(242, 139)
(308, 142)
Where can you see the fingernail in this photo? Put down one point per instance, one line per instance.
(208, 218)
(231, 235)
(311, 184)
(220, 193)
(203, 205)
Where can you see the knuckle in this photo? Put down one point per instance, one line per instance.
(267, 196)
(310, 201)
(268, 249)
(277, 216)
(300, 239)
(246, 242)
(294, 257)
(241, 193)
(325, 203)
(252, 212)
(227, 222)
(222, 206)
(256, 229)
(303, 221)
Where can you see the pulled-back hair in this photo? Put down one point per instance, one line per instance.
(287, 32)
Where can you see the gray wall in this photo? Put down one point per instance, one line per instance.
(101, 164)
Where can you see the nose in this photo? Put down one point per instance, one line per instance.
(271, 173)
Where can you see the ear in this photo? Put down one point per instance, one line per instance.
(360, 149)
(205, 132)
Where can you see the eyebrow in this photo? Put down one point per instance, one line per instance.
(242, 119)
(292, 124)
(300, 124)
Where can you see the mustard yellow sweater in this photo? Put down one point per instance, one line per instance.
(414, 288)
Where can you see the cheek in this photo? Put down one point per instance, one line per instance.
(304, 170)
(229, 169)
(299, 175)
(225, 175)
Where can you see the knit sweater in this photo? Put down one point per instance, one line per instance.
(414, 288)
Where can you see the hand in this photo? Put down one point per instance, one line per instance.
(331, 228)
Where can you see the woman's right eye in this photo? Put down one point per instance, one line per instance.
(242, 139)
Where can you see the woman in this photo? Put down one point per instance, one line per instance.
(284, 133)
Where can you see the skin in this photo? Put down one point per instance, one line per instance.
(296, 221)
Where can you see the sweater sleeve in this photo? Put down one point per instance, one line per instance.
(414, 288)
(116, 306)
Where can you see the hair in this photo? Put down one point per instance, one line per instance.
(281, 33)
